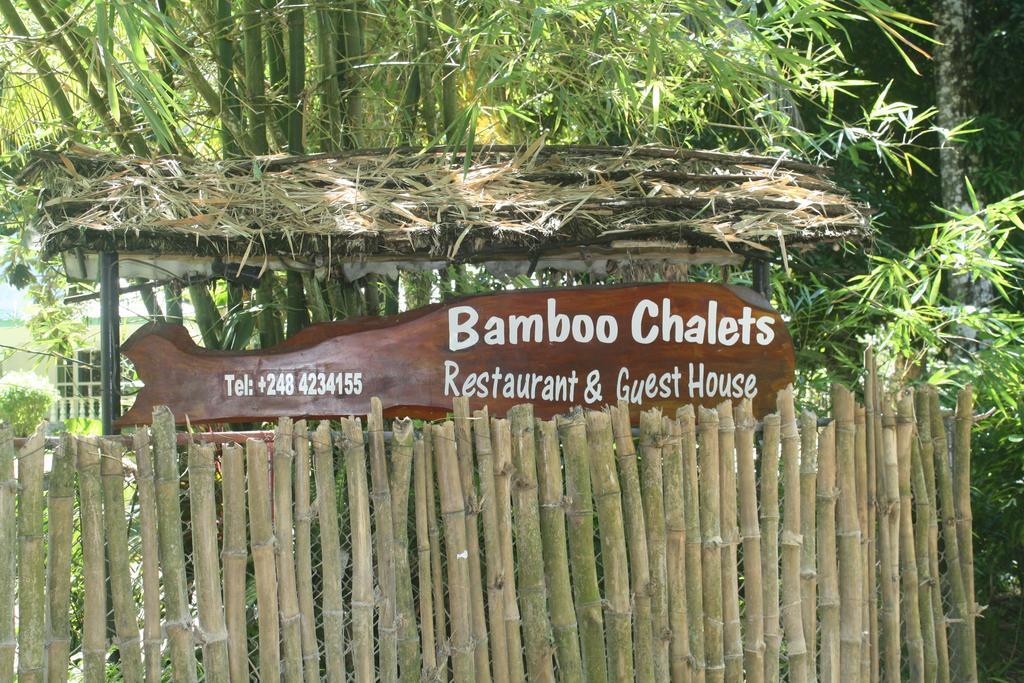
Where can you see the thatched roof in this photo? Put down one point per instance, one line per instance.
(409, 205)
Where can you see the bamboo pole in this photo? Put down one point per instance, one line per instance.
(556, 559)
(94, 621)
(675, 551)
(362, 550)
(401, 475)
(652, 437)
(850, 574)
(384, 545)
(32, 559)
(792, 619)
(770, 546)
(605, 480)
(861, 458)
(873, 423)
(753, 651)
(423, 564)
(332, 608)
(692, 544)
(636, 542)
(501, 442)
(532, 591)
(464, 451)
(963, 423)
(828, 563)
(60, 511)
(235, 557)
(262, 542)
(126, 622)
(284, 529)
(304, 554)
(203, 503)
(453, 512)
(492, 546)
(178, 621)
(808, 423)
(152, 638)
(965, 653)
(922, 524)
(927, 459)
(733, 642)
(436, 556)
(9, 558)
(711, 549)
(888, 550)
(908, 561)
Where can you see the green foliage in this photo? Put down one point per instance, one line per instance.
(25, 398)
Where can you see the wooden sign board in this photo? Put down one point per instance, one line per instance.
(661, 345)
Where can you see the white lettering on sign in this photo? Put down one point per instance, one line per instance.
(293, 383)
(650, 322)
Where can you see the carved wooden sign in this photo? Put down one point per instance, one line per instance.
(661, 345)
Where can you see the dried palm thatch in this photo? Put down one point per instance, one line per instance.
(409, 204)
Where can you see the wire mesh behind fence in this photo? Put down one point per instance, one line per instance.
(710, 547)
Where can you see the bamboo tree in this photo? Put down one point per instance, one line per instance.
(125, 613)
(232, 138)
(850, 578)
(607, 498)
(203, 504)
(770, 545)
(556, 560)
(828, 562)
(235, 557)
(908, 561)
(888, 554)
(532, 590)
(330, 549)
(586, 592)
(753, 651)
(178, 622)
(792, 620)
(60, 510)
(32, 558)
(964, 423)
(252, 47)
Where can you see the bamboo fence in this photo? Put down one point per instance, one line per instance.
(704, 546)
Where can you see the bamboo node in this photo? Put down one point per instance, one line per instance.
(791, 538)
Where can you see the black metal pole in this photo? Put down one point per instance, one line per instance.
(110, 341)
(761, 278)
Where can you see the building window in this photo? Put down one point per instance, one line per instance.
(79, 386)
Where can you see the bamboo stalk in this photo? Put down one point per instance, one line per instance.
(652, 437)
(423, 563)
(492, 546)
(501, 442)
(401, 476)
(532, 591)
(888, 550)
(873, 419)
(850, 576)
(733, 642)
(287, 593)
(792, 619)
(32, 559)
(636, 542)
(556, 560)
(607, 498)
(927, 459)
(203, 503)
(60, 512)
(753, 652)
(693, 545)
(908, 560)
(828, 563)
(126, 623)
(436, 566)
(362, 550)
(675, 550)
(178, 621)
(770, 546)
(711, 548)
(963, 423)
(9, 556)
(464, 450)
(94, 581)
(152, 637)
(235, 558)
(861, 459)
(304, 554)
(453, 512)
(922, 524)
(965, 660)
(384, 544)
(332, 608)
(808, 423)
(262, 543)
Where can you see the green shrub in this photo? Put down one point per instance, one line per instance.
(25, 399)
